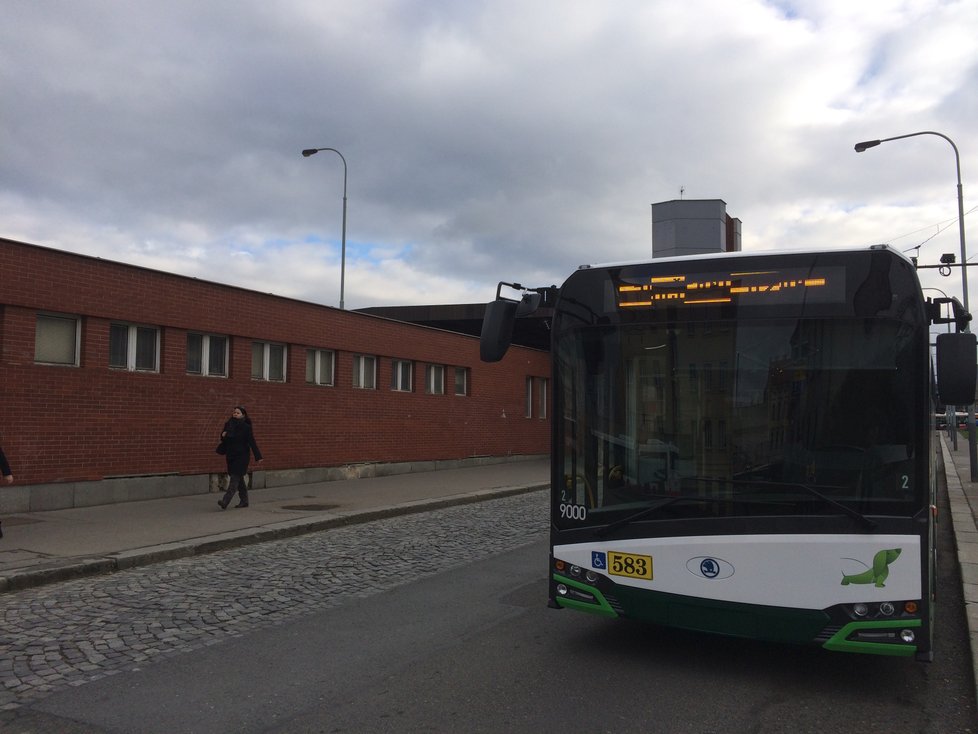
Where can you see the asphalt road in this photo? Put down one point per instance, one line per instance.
(431, 623)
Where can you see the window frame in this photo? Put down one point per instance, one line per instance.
(360, 362)
(462, 372)
(543, 386)
(434, 379)
(48, 317)
(266, 361)
(205, 354)
(398, 378)
(319, 357)
(132, 347)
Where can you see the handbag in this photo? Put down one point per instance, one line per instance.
(221, 448)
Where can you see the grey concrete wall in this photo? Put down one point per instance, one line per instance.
(59, 496)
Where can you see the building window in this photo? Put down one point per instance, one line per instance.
(134, 348)
(461, 380)
(434, 379)
(207, 354)
(320, 364)
(541, 390)
(364, 371)
(401, 375)
(268, 361)
(57, 340)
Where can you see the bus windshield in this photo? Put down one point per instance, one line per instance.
(745, 417)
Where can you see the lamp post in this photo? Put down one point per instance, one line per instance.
(861, 147)
(312, 151)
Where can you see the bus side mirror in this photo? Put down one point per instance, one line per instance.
(957, 357)
(497, 329)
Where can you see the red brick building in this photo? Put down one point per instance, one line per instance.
(115, 381)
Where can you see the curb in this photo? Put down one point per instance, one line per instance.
(966, 543)
(73, 568)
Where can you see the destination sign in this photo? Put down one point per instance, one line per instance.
(759, 287)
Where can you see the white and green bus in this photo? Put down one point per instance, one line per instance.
(742, 443)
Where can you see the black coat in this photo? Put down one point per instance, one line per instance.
(239, 444)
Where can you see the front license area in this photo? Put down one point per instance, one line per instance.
(630, 565)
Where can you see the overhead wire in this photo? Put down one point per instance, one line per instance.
(941, 226)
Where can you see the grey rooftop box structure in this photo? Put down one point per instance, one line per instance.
(693, 227)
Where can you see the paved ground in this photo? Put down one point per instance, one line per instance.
(42, 547)
(70, 633)
(39, 548)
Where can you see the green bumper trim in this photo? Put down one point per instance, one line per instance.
(599, 606)
(839, 642)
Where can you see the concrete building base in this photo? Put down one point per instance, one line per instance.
(112, 490)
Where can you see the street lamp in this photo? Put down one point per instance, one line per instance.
(860, 147)
(312, 151)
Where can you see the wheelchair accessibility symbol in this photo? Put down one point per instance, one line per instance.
(599, 560)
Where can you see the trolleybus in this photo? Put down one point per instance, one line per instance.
(742, 443)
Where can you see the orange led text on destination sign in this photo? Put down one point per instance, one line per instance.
(696, 292)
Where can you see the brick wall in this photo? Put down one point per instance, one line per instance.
(90, 422)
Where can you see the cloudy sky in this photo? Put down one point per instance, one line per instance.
(485, 140)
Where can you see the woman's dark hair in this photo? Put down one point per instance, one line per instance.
(244, 413)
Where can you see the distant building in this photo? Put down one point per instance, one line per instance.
(115, 381)
(466, 318)
(693, 227)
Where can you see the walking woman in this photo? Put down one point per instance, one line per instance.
(238, 442)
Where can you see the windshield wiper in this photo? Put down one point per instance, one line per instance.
(611, 527)
(845, 509)
(665, 501)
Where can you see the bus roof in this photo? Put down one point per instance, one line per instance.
(741, 253)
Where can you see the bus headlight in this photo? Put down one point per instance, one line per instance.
(907, 636)
(860, 610)
(591, 577)
(562, 589)
(887, 609)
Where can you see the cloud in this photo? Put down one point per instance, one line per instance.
(484, 140)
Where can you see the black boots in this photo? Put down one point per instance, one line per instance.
(236, 485)
(229, 495)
